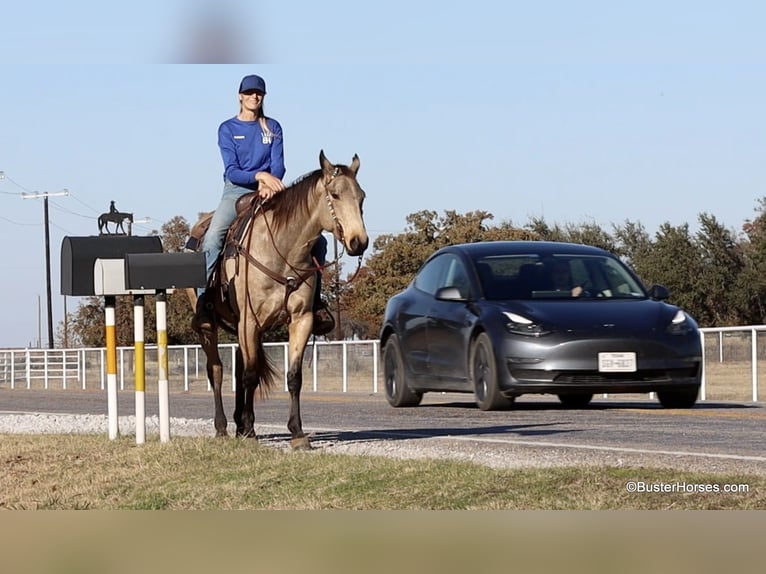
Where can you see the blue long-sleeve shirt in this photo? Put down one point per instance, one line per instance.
(246, 150)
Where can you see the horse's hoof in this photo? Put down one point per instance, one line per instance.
(247, 434)
(300, 443)
(221, 433)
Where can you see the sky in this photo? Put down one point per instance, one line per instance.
(576, 112)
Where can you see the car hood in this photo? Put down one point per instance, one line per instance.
(616, 315)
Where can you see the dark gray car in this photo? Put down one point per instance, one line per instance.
(502, 319)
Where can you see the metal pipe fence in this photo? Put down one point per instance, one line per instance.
(734, 366)
(342, 366)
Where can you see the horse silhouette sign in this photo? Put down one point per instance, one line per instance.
(116, 217)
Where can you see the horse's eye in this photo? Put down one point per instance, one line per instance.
(335, 194)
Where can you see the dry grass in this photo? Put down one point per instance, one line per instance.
(91, 472)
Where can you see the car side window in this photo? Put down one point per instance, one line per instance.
(457, 277)
(431, 276)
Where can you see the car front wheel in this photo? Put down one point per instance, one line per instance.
(398, 392)
(483, 369)
(684, 399)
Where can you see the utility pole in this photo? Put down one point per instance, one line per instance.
(45, 196)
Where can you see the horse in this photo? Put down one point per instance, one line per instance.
(268, 279)
(114, 217)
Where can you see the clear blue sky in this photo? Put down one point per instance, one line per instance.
(578, 112)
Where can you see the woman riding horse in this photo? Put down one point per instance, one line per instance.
(270, 279)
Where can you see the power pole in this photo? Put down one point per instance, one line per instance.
(45, 196)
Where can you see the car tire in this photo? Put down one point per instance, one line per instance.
(398, 391)
(575, 400)
(483, 372)
(684, 399)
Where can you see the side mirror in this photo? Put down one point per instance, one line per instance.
(449, 294)
(659, 292)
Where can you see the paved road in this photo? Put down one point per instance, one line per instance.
(712, 436)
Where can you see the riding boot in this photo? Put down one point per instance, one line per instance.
(203, 316)
(323, 320)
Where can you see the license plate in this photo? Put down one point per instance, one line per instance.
(617, 362)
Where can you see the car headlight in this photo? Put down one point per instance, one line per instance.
(680, 324)
(520, 325)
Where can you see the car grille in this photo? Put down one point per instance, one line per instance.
(595, 377)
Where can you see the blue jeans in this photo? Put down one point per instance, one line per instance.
(223, 217)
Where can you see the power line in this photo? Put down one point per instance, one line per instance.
(19, 223)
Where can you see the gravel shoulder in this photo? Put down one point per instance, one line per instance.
(493, 455)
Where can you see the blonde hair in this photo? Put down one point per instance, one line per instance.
(261, 120)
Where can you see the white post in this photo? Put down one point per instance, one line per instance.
(111, 366)
(702, 384)
(755, 364)
(375, 351)
(140, 367)
(162, 365)
(345, 367)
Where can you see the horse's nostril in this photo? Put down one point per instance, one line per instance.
(356, 246)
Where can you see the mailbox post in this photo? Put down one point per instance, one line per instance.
(81, 276)
(163, 271)
(128, 265)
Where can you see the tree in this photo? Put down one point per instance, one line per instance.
(752, 280)
(723, 263)
(584, 233)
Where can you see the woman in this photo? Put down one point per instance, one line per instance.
(253, 157)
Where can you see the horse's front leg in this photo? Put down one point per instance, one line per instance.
(244, 410)
(214, 369)
(299, 335)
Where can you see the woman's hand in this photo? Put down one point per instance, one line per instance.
(268, 185)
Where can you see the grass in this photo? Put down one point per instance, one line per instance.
(68, 472)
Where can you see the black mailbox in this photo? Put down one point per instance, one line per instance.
(165, 270)
(79, 254)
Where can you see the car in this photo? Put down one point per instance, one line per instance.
(499, 319)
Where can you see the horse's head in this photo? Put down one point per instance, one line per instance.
(344, 199)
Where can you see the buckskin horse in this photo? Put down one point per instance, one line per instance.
(265, 277)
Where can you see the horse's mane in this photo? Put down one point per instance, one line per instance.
(293, 202)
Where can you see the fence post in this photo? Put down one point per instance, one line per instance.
(755, 363)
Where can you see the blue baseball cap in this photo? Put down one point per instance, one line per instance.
(252, 83)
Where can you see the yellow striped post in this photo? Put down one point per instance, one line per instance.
(162, 365)
(140, 367)
(111, 366)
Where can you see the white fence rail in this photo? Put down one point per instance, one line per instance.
(342, 366)
(734, 366)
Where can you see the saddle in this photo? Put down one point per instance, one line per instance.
(245, 204)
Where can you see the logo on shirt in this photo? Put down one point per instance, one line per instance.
(239, 137)
(265, 138)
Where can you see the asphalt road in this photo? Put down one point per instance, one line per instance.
(724, 436)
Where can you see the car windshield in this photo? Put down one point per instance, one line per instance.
(533, 276)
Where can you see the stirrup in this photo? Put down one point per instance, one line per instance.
(324, 322)
(203, 319)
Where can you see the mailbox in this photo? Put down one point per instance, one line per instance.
(109, 279)
(165, 270)
(79, 254)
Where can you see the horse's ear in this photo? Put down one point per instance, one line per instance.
(327, 167)
(355, 164)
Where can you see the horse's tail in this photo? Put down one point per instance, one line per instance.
(265, 372)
